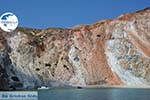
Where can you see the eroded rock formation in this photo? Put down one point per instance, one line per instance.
(109, 52)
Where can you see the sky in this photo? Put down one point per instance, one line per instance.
(43, 14)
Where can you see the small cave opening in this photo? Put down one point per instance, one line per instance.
(48, 65)
(53, 74)
(98, 35)
(12, 88)
(76, 58)
(11, 70)
(65, 66)
(56, 63)
(14, 78)
(76, 47)
(37, 69)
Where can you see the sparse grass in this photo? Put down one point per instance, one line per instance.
(45, 33)
(28, 31)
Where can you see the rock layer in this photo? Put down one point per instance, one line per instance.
(109, 52)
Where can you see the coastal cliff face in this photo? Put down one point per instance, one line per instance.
(109, 52)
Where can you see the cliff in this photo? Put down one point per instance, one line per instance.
(109, 52)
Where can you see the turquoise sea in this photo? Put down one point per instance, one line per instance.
(95, 94)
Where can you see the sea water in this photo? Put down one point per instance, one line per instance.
(94, 94)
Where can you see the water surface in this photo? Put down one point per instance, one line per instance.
(95, 94)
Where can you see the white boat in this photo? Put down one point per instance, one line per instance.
(43, 88)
